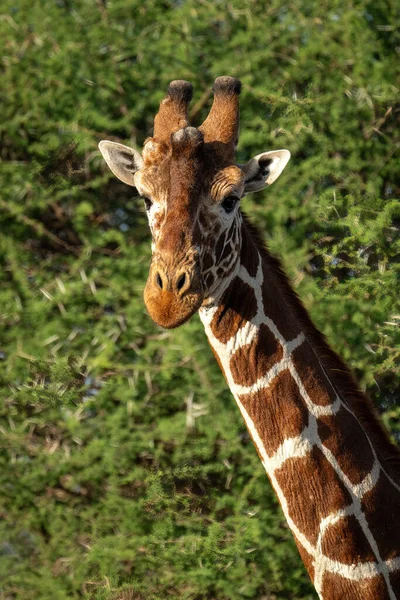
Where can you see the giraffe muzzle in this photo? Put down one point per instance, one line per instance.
(173, 295)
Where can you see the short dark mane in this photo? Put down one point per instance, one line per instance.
(339, 374)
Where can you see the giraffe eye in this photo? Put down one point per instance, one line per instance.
(229, 203)
(148, 203)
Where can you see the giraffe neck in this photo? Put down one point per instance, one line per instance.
(331, 465)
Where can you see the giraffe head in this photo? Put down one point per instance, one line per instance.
(192, 188)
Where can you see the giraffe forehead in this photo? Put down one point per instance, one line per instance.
(169, 174)
(186, 179)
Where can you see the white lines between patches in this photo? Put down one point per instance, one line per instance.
(295, 447)
(352, 489)
(395, 485)
(299, 446)
(256, 283)
(354, 572)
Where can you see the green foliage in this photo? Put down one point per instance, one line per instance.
(126, 471)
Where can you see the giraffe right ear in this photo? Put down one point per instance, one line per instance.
(264, 169)
(123, 161)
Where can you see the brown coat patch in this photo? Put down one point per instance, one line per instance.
(238, 307)
(345, 542)
(208, 262)
(395, 581)
(314, 379)
(343, 436)
(278, 412)
(275, 309)
(249, 254)
(227, 251)
(219, 246)
(253, 361)
(313, 491)
(337, 588)
(381, 507)
(209, 280)
(306, 558)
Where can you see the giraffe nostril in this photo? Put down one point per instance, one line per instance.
(181, 282)
(159, 281)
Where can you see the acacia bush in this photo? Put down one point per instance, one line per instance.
(126, 470)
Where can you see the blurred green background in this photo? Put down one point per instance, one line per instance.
(126, 471)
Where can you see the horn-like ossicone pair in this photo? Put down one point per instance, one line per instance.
(221, 127)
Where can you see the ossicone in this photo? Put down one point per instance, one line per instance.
(221, 127)
(173, 112)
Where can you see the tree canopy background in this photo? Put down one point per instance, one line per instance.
(126, 470)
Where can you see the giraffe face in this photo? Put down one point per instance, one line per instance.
(192, 188)
(194, 218)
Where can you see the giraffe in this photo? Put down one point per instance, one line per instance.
(332, 466)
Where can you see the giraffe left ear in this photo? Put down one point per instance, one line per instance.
(263, 169)
(122, 160)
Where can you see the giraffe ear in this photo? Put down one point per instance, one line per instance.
(263, 169)
(123, 161)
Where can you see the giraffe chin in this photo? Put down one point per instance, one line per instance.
(168, 310)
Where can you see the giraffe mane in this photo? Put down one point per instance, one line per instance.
(339, 374)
